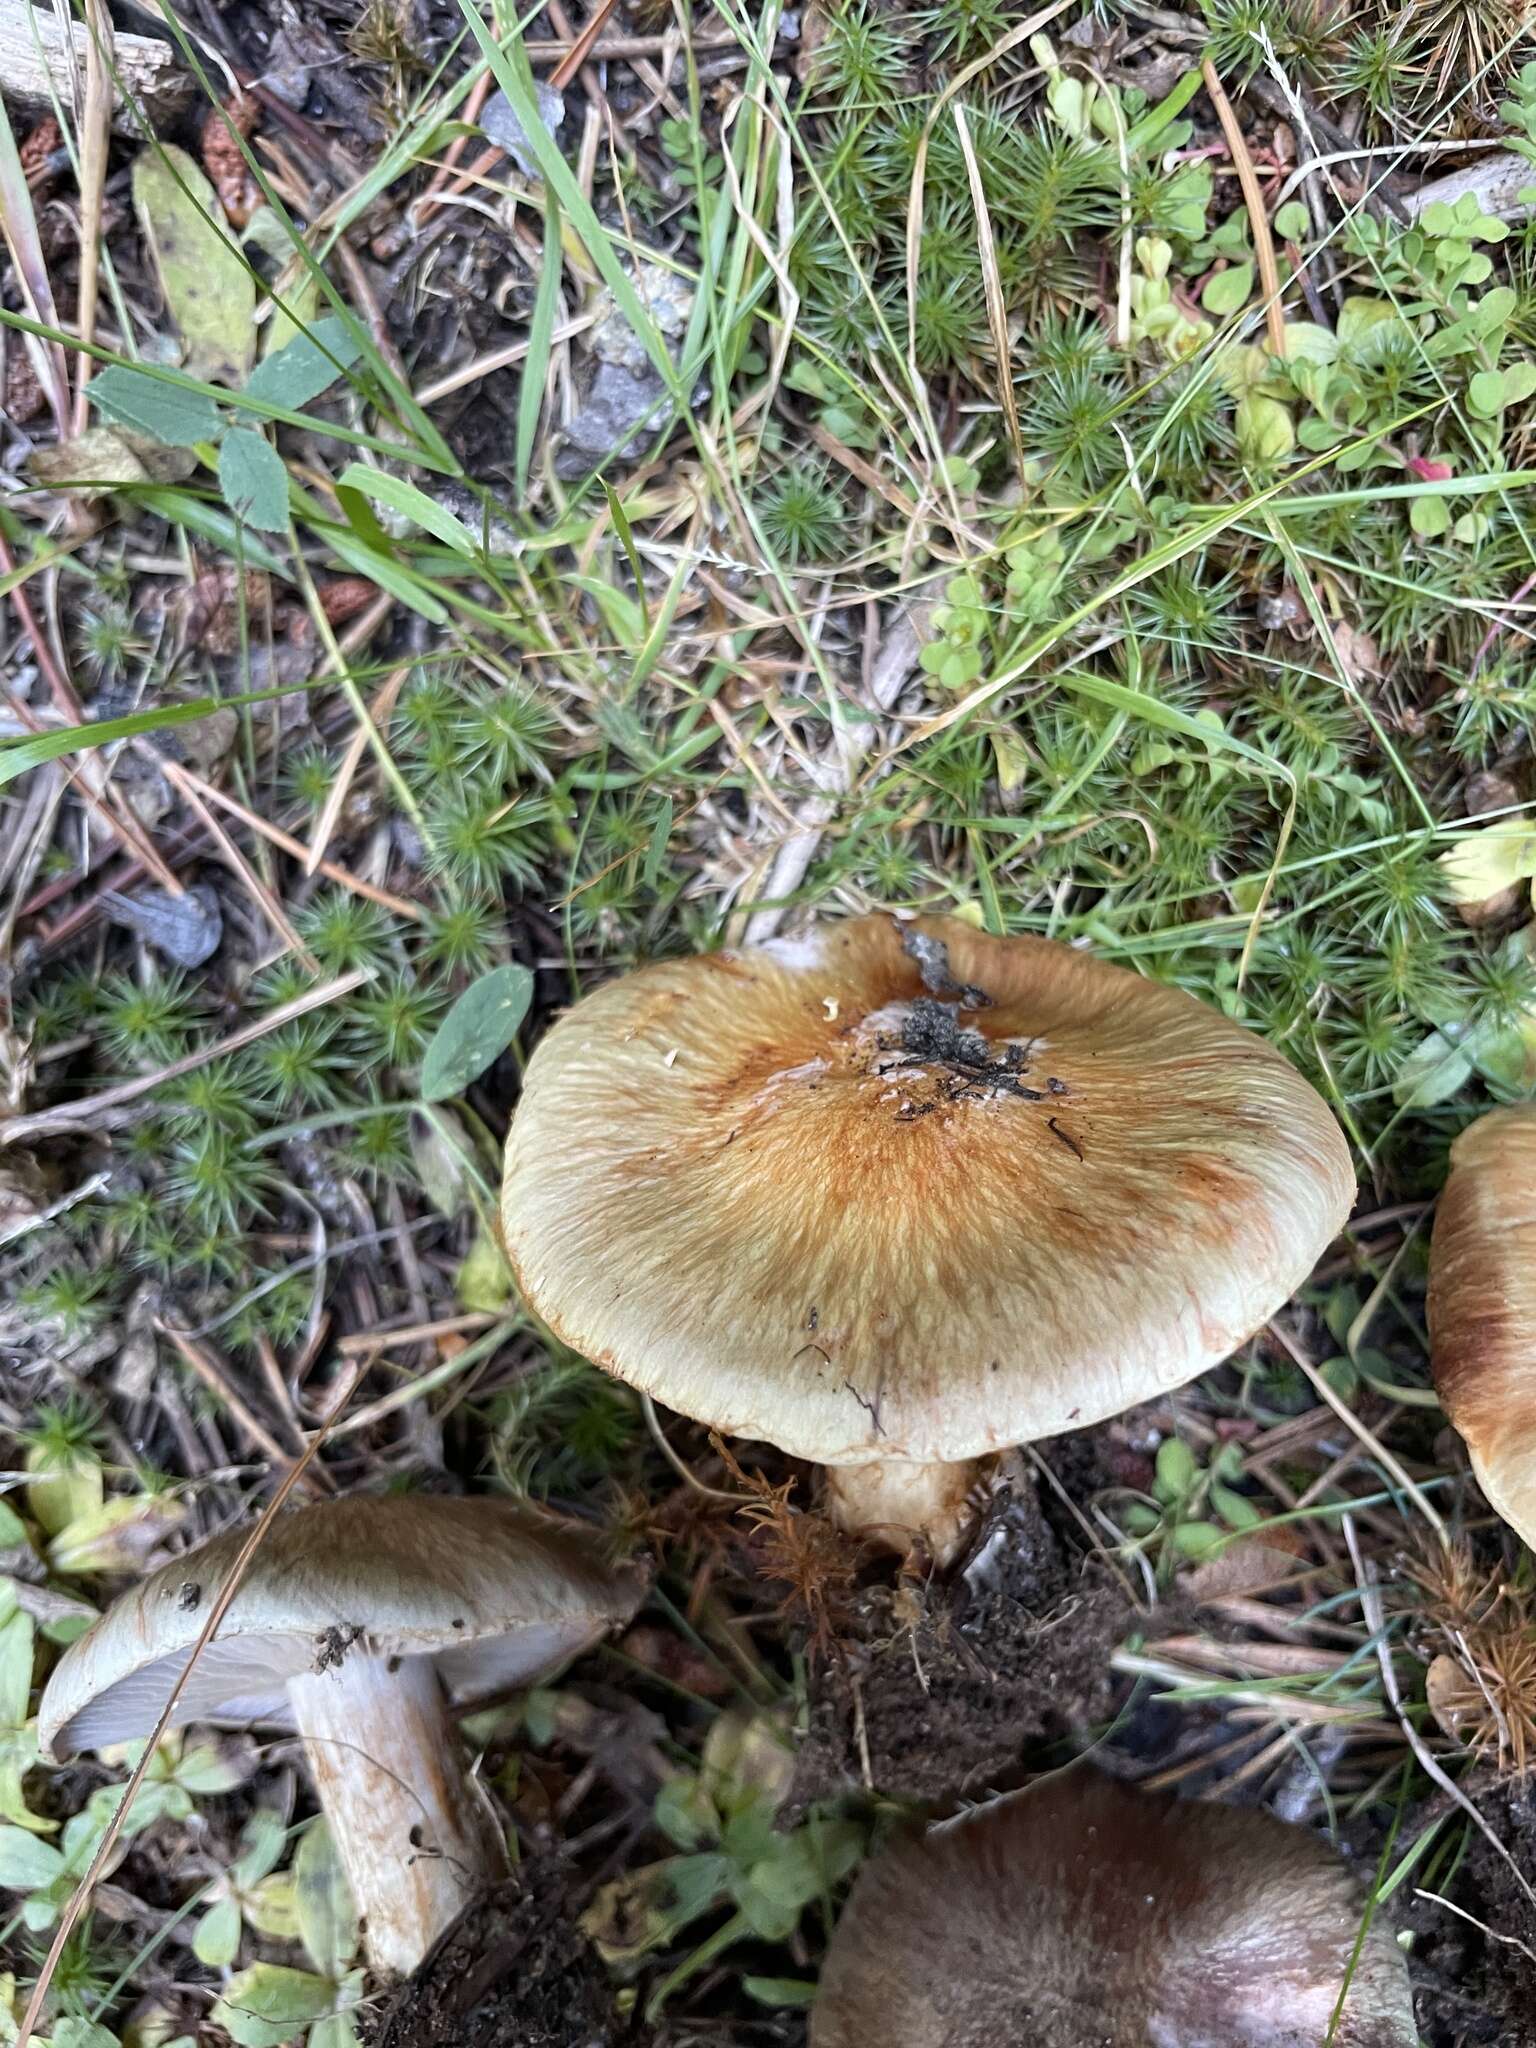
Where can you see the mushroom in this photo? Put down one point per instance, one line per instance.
(1482, 1305)
(1087, 1915)
(365, 1625)
(897, 1195)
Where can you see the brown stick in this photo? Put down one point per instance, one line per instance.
(1253, 198)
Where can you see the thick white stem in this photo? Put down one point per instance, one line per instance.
(899, 1504)
(416, 1836)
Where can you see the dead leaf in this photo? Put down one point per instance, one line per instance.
(209, 292)
(109, 456)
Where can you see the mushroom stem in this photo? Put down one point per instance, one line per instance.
(415, 1834)
(897, 1503)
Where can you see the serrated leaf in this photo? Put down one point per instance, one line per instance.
(404, 498)
(253, 480)
(305, 366)
(168, 413)
(268, 2005)
(210, 292)
(478, 1029)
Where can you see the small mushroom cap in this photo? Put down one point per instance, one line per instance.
(905, 1191)
(492, 1593)
(1083, 1914)
(1482, 1306)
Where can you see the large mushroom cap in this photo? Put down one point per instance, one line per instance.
(492, 1593)
(904, 1191)
(1080, 1914)
(1482, 1306)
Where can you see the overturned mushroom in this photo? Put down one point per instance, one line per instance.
(365, 1625)
(894, 1196)
(1085, 1915)
(1482, 1305)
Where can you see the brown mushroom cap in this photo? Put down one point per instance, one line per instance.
(492, 1593)
(904, 1191)
(1482, 1306)
(1081, 1914)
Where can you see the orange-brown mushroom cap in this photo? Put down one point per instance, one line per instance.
(904, 1191)
(1081, 1914)
(1482, 1306)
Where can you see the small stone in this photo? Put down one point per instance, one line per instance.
(501, 122)
(187, 929)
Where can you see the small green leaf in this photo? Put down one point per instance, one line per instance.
(168, 413)
(1229, 290)
(305, 366)
(253, 480)
(1292, 221)
(1432, 1073)
(268, 2005)
(1429, 517)
(1176, 1469)
(1235, 1509)
(1198, 1539)
(404, 498)
(780, 1991)
(1485, 394)
(327, 1916)
(261, 1846)
(216, 1938)
(26, 1864)
(478, 1029)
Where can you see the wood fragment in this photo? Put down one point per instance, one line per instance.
(37, 65)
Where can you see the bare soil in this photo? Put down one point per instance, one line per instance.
(939, 1691)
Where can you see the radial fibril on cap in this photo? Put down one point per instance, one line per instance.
(1482, 1306)
(360, 1623)
(1081, 1914)
(897, 1195)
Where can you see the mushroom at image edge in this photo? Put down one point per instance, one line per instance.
(1087, 1915)
(1482, 1305)
(364, 1625)
(893, 1196)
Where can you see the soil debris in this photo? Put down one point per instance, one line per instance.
(939, 1691)
(514, 1971)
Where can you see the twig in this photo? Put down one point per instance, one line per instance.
(101, 1112)
(363, 737)
(369, 1343)
(331, 869)
(269, 905)
(221, 1606)
(95, 140)
(231, 1398)
(1253, 198)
